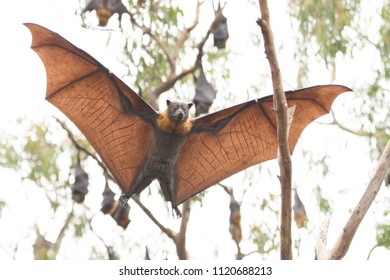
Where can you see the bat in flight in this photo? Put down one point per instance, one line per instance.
(139, 144)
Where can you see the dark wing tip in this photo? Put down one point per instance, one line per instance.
(341, 87)
(332, 88)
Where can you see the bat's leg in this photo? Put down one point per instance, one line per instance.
(141, 183)
(123, 199)
(166, 185)
(177, 211)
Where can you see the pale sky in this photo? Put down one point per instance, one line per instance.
(23, 89)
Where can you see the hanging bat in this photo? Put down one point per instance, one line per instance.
(204, 94)
(220, 30)
(105, 9)
(235, 220)
(111, 207)
(300, 216)
(139, 144)
(80, 185)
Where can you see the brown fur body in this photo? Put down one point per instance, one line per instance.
(171, 128)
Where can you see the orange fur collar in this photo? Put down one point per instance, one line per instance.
(169, 126)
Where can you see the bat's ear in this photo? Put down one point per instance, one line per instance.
(168, 102)
(190, 105)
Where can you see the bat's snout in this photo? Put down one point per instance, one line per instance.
(179, 116)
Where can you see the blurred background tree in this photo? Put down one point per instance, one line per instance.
(161, 45)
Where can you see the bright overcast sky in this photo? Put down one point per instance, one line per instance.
(22, 75)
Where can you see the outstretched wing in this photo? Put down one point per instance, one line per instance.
(88, 94)
(248, 137)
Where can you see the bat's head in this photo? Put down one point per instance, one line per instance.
(178, 111)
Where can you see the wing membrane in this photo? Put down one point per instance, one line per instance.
(248, 138)
(87, 94)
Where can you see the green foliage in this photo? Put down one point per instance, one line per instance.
(330, 28)
(383, 235)
(9, 157)
(374, 120)
(79, 226)
(33, 152)
(264, 238)
(384, 44)
(154, 50)
(41, 155)
(161, 22)
(2, 205)
(326, 24)
(326, 21)
(322, 202)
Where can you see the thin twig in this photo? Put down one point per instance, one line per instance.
(343, 127)
(146, 30)
(173, 78)
(110, 249)
(61, 234)
(184, 33)
(80, 147)
(372, 249)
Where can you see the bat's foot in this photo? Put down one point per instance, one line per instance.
(123, 199)
(176, 211)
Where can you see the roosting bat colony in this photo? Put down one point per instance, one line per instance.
(138, 144)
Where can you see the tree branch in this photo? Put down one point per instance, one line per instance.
(343, 127)
(284, 159)
(110, 250)
(173, 78)
(180, 238)
(160, 44)
(183, 35)
(344, 241)
(321, 250)
(167, 231)
(82, 148)
(60, 237)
